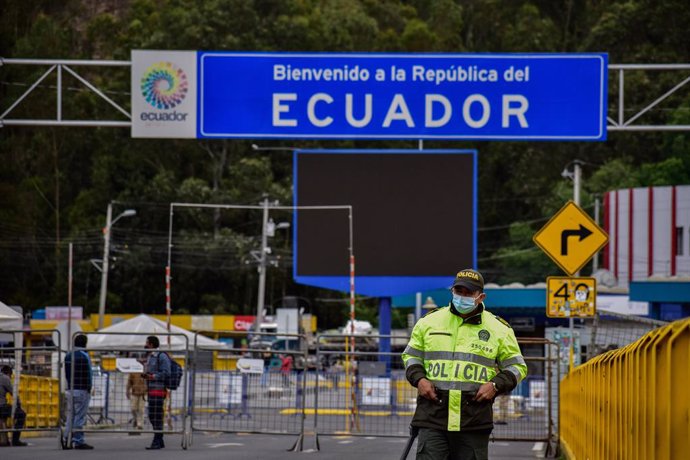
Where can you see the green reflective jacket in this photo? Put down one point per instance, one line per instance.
(458, 355)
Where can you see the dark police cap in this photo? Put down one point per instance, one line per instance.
(471, 279)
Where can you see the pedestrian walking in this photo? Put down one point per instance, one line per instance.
(79, 378)
(460, 357)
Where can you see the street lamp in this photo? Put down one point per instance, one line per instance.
(576, 176)
(109, 222)
(272, 227)
(268, 229)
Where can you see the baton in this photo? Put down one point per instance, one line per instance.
(414, 431)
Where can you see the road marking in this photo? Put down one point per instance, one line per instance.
(224, 444)
(538, 446)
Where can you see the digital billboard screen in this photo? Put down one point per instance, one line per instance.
(414, 218)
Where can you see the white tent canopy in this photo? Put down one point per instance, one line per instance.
(144, 324)
(10, 319)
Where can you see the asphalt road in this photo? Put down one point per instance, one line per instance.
(239, 446)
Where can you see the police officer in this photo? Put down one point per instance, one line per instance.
(460, 357)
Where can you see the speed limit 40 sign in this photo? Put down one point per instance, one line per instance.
(566, 296)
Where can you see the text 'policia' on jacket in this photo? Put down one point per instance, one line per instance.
(459, 355)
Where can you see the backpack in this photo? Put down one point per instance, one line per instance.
(175, 377)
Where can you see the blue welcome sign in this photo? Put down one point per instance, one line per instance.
(559, 97)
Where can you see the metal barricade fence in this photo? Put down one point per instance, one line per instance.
(38, 392)
(273, 384)
(360, 392)
(116, 358)
(365, 392)
(256, 384)
(530, 411)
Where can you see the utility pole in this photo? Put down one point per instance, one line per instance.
(109, 222)
(262, 267)
(577, 180)
(104, 269)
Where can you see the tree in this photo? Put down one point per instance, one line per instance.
(55, 184)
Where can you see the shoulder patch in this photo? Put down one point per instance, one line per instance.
(504, 322)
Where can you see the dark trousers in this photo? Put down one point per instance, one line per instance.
(156, 404)
(19, 420)
(452, 445)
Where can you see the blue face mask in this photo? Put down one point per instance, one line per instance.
(463, 304)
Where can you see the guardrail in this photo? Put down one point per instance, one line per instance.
(632, 402)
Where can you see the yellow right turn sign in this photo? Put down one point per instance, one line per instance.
(571, 238)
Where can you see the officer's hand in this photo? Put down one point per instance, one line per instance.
(486, 392)
(427, 390)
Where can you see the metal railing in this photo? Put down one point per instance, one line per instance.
(632, 402)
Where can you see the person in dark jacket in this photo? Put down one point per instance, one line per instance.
(79, 383)
(157, 372)
(6, 409)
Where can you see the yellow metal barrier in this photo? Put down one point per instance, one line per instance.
(631, 403)
(40, 398)
(223, 361)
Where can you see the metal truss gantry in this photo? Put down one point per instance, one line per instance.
(616, 122)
